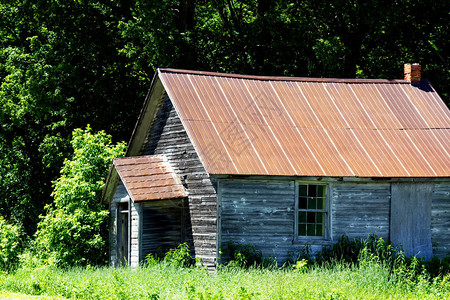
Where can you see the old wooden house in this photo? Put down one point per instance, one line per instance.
(278, 162)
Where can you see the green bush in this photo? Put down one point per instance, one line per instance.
(10, 245)
(74, 229)
(438, 267)
(346, 250)
(243, 255)
(180, 256)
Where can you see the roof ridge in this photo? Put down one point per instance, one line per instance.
(283, 78)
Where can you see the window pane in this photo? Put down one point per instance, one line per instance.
(311, 203)
(319, 230)
(321, 190)
(311, 230)
(302, 229)
(302, 203)
(320, 203)
(311, 217)
(302, 217)
(303, 190)
(312, 190)
(320, 218)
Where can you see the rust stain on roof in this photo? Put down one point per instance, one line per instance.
(149, 178)
(256, 125)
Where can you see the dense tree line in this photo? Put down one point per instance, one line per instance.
(65, 64)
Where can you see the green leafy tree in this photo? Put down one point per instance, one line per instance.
(73, 231)
(59, 70)
(64, 64)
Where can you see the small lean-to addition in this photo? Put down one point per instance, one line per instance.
(280, 162)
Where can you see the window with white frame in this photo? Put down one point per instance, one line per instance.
(312, 210)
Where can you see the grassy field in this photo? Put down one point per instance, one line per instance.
(163, 281)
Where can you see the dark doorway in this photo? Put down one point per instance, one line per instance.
(122, 234)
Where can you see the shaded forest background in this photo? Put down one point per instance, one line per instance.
(66, 64)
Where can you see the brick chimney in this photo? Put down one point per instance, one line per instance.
(412, 72)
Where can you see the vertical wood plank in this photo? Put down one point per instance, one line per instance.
(411, 218)
(440, 219)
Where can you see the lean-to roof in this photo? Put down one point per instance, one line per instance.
(253, 125)
(149, 178)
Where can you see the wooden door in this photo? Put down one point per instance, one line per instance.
(411, 218)
(122, 234)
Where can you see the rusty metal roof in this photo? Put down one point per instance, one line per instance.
(254, 125)
(149, 178)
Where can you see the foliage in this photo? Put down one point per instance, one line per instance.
(59, 70)
(300, 265)
(179, 257)
(243, 255)
(350, 250)
(73, 231)
(303, 38)
(162, 281)
(438, 267)
(64, 64)
(176, 257)
(10, 245)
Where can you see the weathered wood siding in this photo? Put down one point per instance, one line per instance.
(440, 219)
(120, 194)
(134, 215)
(260, 213)
(360, 209)
(168, 137)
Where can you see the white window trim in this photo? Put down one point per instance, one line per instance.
(327, 236)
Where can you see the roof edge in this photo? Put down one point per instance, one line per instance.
(110, 184)
(143, 124)
(284, 78)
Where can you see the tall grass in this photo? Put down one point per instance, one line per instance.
(347, 270)
(164, 281)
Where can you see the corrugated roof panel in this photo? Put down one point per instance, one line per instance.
(436, 104)
(401, 106)
(212, 151)
(375, 107)
(429, 109)
(241, 149)
(407, 153)
(348, 105)
(431, 149)
(353, 153)
(380, 152)
(191, 107)
(245, 108)
(265, 98)
(443, 136)
(298, 151)
(275, 159)
(311, 127)
(322, 105)
(329, 158)
(218, 110)
(297, 109)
